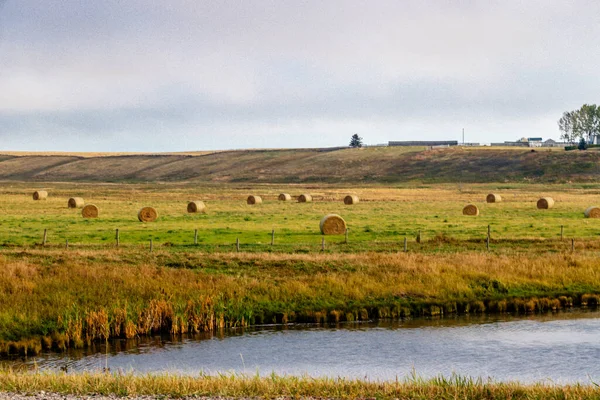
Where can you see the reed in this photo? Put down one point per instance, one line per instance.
(54, 299)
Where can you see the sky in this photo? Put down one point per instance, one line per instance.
(207, 75)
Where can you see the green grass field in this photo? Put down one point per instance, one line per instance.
(379, 222)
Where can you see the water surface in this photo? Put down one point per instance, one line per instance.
(561, 348)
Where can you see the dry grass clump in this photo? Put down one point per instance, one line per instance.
(545, 203)
(592, 212)
(75, 202)
(304, 198)
(128, 385)
(40, 195)
(284, 197)
(196, 206)
(493, 198)
(254, 200)
(471, 209)
(147, 214)
(90, 211)
(332, 224)
(351, 199)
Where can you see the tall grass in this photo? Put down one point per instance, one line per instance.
(240, 386)
(57, 299)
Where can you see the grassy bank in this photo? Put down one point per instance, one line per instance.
(57, 299)
(278, 387)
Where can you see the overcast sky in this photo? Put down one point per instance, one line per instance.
(199, 75)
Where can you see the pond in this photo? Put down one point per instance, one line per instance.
(561, 348)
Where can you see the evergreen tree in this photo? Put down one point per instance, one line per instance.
(356, 141)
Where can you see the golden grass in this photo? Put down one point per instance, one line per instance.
(274, 386)
(52, 298)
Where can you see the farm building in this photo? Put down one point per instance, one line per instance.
(425, 143)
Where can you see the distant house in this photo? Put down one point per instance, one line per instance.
(523, 142)
(594, 139)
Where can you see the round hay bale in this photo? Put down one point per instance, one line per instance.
(40, 195)
(493, 198)
(196, 206)
(254, 200)
(90, 211)
(304, 198)
(75, 202)
(471, 209)
(592, 212)
(284, 197)
(351, 199)
(147, 214)
(332, 224)
(545, 203)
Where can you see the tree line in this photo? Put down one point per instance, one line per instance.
(580, 125)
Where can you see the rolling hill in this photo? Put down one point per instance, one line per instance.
(344, 165)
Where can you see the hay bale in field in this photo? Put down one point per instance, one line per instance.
(254, 200)
(493, 198)
(545, 203)
(304, 198)
(471, 209)
(196, 206)
(75, 202)
(351, 199)
(332, 224)
(284, 197)
(592, 212)
(40, 195)
(147, 214)
(90, 211)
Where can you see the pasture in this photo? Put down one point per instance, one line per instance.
(379, 222)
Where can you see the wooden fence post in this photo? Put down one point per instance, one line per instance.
(151, 246)
(405, 244)
(346, 236)
(272, 237)
(66, 243)
(487, 242)
(195, 236)
(45, 237)
(572, 245)
(117, 238)
(419, 236)
(561, 232)
(237, 244)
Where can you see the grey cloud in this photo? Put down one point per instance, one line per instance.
(236, 72)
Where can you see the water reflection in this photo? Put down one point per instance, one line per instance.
(562, 347)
